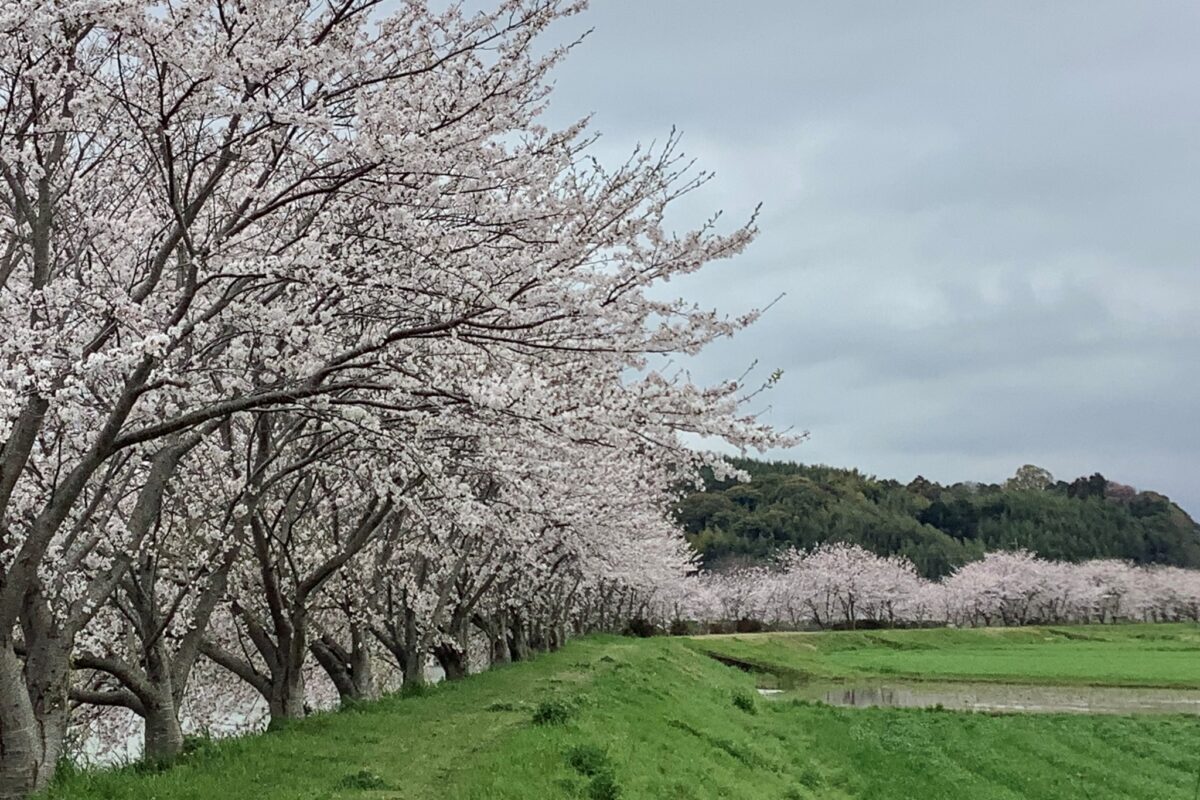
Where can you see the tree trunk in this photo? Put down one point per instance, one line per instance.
(362, 674)
(412, 667)
(20, 756)
(412, 663)
(536, 638)
(48, 681)
(404, 645)
(286, 701)
(352, 672)
(362, 667)
(495, 629)
(453, 661)
(519, 642)
(163, 738)
(286, 698)
(335, 667)
(33, 713)
(500, 652)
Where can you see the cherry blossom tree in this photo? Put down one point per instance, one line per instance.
(309, 511)
(211, 213)
(842, 582)
(142, 646)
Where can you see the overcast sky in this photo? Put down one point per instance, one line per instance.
(984, 217)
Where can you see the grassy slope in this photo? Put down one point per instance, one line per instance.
(664, 715)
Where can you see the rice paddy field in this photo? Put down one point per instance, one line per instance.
(1096, 655)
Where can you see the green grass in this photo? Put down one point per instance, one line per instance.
(622, 719)
(1096, 655)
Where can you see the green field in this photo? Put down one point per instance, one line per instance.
(1098, 655)
(610, 718)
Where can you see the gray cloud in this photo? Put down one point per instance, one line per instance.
(983, 216)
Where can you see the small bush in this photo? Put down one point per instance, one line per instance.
(746, 625)
(415, 689)
(680, 627)
(603, 787)
(363, 779)
(350, 705)
(553, 712)
(810, 778)
(69, 770)
(504, 705)
(640, 627)
(798, 702)
(196, 748)
(683, 726)
(745, 701)
(198, 743)
(588, 759)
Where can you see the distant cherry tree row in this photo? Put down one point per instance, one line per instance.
(844, 585)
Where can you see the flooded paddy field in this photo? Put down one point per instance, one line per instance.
(994, 697)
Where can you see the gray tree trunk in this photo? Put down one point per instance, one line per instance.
(163, 738)
(352, 672)
(33, 713)
(286, 697)
(500, 652)
(22, 756)
(412, 667)
(453, 661)
(362, 666)
(519, 646)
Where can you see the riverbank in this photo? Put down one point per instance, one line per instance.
(608, 718)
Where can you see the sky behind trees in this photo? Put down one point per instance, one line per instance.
(983, 217)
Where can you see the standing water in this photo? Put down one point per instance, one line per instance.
(998, 697)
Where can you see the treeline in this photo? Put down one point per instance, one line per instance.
(843, 585)
(937, 527)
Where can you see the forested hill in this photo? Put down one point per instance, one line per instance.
(938, 527)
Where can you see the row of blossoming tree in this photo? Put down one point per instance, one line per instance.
(844, 585)
(321, 353)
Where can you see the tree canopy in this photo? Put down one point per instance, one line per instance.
(937, 527)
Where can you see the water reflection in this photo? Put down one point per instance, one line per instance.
(1001, 697)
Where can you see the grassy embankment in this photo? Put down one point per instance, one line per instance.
(608, 718)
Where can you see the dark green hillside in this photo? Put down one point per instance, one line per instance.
(938, 527)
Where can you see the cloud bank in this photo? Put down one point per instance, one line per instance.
(983, 217)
